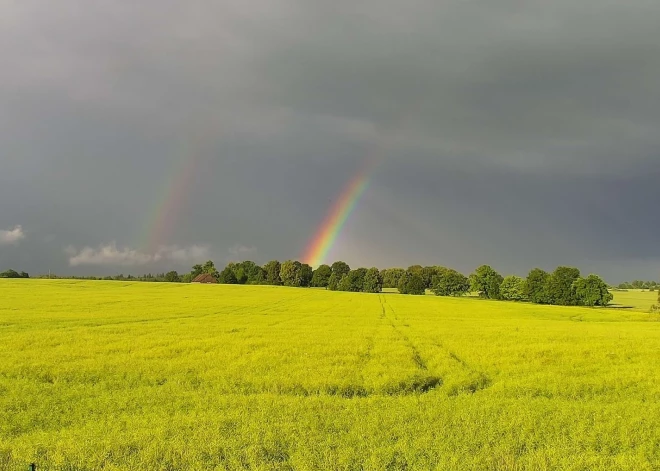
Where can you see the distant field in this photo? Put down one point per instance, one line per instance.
(640, 300)
(118, 375)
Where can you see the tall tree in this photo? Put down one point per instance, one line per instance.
(306, 274)
(172, 277)
(290, 273)
(373, 283)
(241, 276)
(486, 282)
(196, 271)
(348, 283)
(209, 267)
(359, 274)
(592, 291)
(227, 276)
(449, 282)
(339, 269)
(391, 277)
(513, 288)
(427, 274)
(248, 272)
(272, 270)
(559, 286)
(416, 284)
(321, 276)
(416, 270)
(536, 286)
(412, 283)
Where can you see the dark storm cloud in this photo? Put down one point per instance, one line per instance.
(515, 133)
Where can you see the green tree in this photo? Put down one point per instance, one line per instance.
(321, 276)
(345, 283)
(486, 282)
(272, 270)
(536, 286)
(209, 267)
(513, 288)
(290, 273)
(239, 272)
(592, 291)
(187, 278)
(251, 272)
(172, 277)
(416, 270)
(559, 286)
(306, 274)
(333, 281)
(227, 276)
(373, 283)
(448, 282)
(412, 283)
(358, 276)
(353, 281)
(196, 271)
(402, 285)
(10, 274)
(416, 284)
(339, 269)
(391, 277)
(427, 274)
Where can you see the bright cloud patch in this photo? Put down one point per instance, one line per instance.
(110, 254)
(12, 236)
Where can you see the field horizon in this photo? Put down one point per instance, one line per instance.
(128, 375)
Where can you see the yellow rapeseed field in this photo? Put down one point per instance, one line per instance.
(146, 376)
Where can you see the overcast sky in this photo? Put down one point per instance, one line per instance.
(143, 136)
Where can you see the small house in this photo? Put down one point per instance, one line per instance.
(204, 278)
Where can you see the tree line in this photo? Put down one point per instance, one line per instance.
(564, 286)
(13, 274)
(638, 284)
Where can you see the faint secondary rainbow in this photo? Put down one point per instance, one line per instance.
(170, 206)
(327, 234)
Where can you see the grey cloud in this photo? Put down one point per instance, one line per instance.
(520, 133)
(242, 251)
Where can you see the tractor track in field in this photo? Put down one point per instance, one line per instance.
(480, 381)
(417, 357)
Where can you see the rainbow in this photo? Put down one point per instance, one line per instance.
(327, 234)
(165, 216)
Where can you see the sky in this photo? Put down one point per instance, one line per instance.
(145, 136)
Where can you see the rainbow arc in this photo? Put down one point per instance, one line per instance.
(327, 234)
